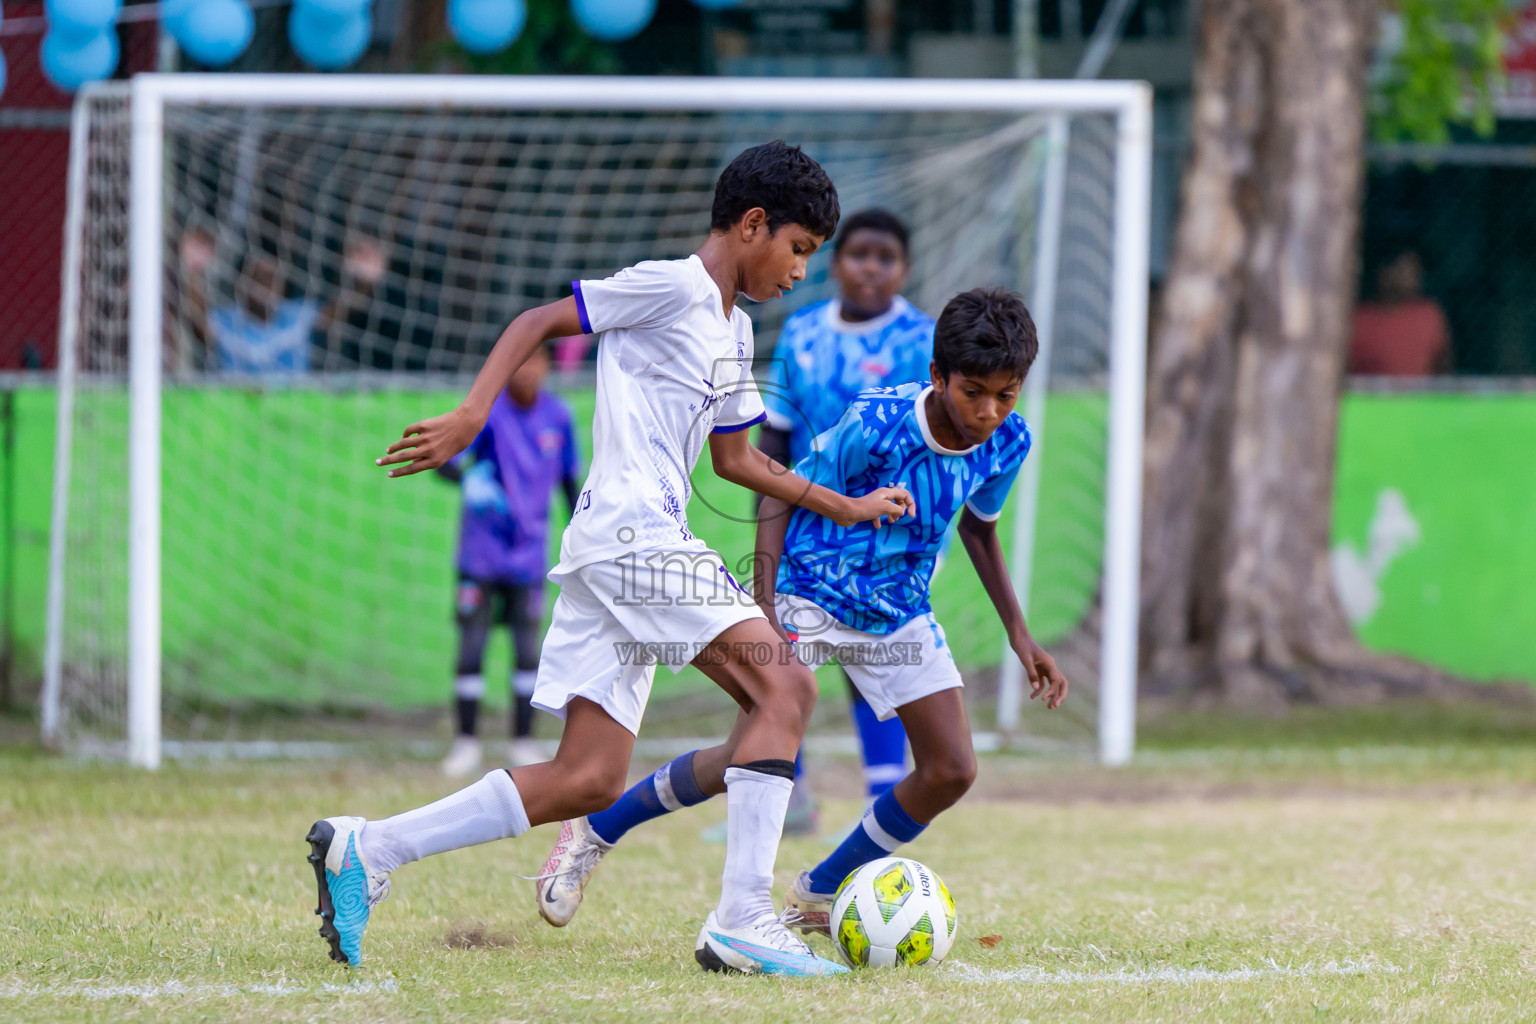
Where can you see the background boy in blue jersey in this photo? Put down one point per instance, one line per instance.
(508, 475)
(957, 445)
(828, 352)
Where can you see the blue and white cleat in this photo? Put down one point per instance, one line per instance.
(349, 890)
(765, 947)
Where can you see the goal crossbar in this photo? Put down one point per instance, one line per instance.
(1129, 103)
(553, 92)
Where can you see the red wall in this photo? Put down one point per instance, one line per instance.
(34, 157)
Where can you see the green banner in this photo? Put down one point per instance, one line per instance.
(295, 572)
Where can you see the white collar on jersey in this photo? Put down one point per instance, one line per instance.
(922, 424)
(837, 323)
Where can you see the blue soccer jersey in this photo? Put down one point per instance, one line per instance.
(822, 362)
(876, 580)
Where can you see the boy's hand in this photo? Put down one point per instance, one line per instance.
(430, 443)
(883, 504)
(1045, 679)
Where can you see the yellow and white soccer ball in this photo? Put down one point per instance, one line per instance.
(893, 911)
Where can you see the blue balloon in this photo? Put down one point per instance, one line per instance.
(335, 10)
(215, 32)
(716, 5)
(81, 18)
(486, 26)
(172, 12)
(71, 61)
(325, 43)
(612, 20)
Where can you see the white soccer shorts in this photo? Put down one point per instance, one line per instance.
(615, 620)
(890, 669)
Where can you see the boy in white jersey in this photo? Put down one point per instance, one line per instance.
(674, 370)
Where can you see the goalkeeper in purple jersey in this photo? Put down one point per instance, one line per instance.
(869, 336)
(508, 475)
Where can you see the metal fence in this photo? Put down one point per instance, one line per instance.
(1468, 211)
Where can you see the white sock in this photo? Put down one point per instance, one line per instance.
(754, 819)
(524, 680)
(478, 813)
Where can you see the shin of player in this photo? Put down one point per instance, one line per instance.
(674, 369)
(958, 442)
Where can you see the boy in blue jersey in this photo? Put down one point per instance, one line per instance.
(673, 374)
(863, 597)
(508, 475)
(828, 352)
(867, 337)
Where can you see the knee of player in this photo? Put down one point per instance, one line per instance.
(799, 691)
(596, 788)
(949, 777)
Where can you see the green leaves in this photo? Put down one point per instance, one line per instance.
(1445, 70)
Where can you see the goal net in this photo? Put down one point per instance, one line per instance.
(227, 561)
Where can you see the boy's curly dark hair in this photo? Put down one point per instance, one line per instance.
(786, 183)
(983, 331)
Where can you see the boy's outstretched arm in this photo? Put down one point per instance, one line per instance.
(981, 543)
(430, 443)
(736, 460)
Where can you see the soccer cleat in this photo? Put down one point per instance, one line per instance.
(813, 910)
(764, 947)
(463, 758)
(349, 890)
(562, 881)
(525, 750)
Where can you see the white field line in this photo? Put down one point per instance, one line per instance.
(180, 989)
(1171, 975)
(1017, 976)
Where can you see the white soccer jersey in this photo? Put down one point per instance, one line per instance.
(672, 368)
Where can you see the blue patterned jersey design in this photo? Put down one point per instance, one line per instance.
(876, 580)
(822, 363)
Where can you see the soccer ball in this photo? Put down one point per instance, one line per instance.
(893, 911)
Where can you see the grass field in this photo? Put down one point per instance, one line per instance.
(1376, 870)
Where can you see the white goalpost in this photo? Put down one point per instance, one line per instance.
(248, 570)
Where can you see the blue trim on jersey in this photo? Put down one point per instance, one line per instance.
(581, 307)
(878, 580)
(741, 426)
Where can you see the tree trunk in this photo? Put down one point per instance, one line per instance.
(1248, 357)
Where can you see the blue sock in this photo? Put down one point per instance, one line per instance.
(884, 746)
(671, 786)
(884, 828)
